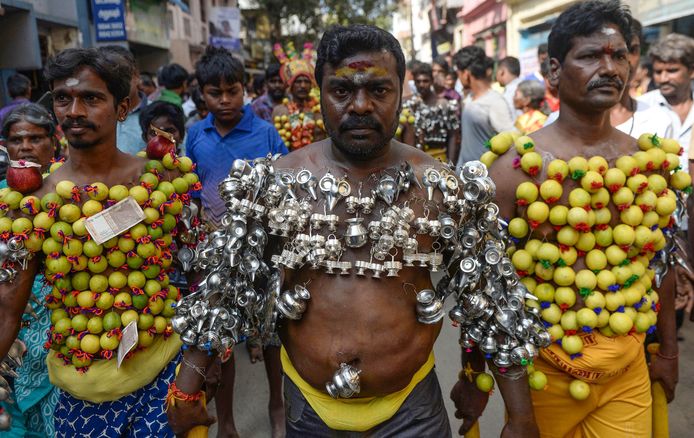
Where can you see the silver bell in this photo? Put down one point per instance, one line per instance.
(345, 383)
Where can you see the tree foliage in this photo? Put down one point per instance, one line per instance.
(316, 16)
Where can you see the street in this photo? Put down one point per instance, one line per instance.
(251, 394)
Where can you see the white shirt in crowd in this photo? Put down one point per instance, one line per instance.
(682, 131)
(509, 92)
(646, 120)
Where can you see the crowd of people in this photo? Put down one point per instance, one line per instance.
(355, 186)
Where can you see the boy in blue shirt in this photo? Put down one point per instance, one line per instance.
(231, 131)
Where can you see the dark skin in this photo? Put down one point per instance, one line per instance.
(88, 114)
(29, 142)
(584, 129)
(165, 124)
(276, 89)
(345, 311)
(424, 82)
(439, 77)
(225, 102)
(626, 107)
(299, 91)
(674, 82)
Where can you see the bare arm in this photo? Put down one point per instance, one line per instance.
(408, 134)
(13, 300)
(519, 407)
(469, 400)
(664, 366)
(453, 146)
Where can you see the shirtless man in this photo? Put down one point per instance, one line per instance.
(598, 379)
(90, 95)
(353, 323)
(436, 120)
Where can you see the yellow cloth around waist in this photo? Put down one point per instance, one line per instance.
(602, 357)
(104, 382)
(354, 414)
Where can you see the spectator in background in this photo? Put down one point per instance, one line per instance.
(551, 93)
(172, 79)
(275, 91)
(635, 117)
(147, 84)
(200, 108)
(188, 104)
(642, 81)
(541, 58)
(673, 72)
(166, 117)
(19, 89)
(487, 113)
(529, 101)
(231, 131)
(507, 74)
(128, 132)
(408, 88)
(258, 85)
(451, 79)
(439, 68)
(29, 132)
(436, 119)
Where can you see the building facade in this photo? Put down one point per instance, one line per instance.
(31, 31)
(528, 26)
(483, 23)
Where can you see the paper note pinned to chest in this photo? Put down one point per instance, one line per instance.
(114, 220)
(128, 341)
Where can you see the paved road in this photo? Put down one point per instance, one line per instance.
(252, 391)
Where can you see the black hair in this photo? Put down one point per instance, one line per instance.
(217, 64)
(18, 85)
(272, 70)
(32, 113)
(198, 100)
(173, 76)
(542, 49)
(442, 62)
(511, 64)
(340, 42)
(115, 73)
(258, 83)
(473, 59)
(127, 55)
(423, 69)
(636, 30)
(147, 78)
(412, 64)
(166, 109)
(586, 18)
(191, 78)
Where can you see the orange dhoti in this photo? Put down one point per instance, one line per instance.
(619, 404)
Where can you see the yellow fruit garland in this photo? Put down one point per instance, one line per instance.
(98, 289)
(616, 283)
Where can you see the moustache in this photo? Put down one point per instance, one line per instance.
(601, 82)
(76, 123)
(360, 122)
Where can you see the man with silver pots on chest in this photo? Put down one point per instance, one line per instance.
(333, 246)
